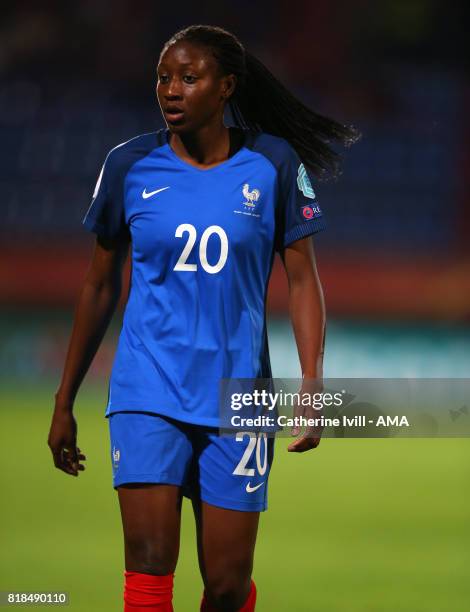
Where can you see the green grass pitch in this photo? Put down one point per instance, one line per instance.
(356, 525)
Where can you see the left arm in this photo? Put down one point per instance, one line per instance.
(307, 312)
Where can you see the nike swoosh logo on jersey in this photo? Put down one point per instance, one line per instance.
(250, 489)
(148, 194)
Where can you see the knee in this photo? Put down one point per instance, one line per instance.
(150, 556)
(228, 591)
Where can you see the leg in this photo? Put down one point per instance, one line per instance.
(226, 544)
(151, 516)
(229, 491)
(150, 458)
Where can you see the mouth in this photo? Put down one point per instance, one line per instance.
(174, 114)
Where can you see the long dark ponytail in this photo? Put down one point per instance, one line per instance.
(261, 102)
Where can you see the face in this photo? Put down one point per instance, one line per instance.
(191, 90)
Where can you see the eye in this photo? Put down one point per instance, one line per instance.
(163, 78)
(189, 78)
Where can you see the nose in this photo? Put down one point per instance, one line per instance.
(173, 89)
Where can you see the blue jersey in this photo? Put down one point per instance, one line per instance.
(202, 248)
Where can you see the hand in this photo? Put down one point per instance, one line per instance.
(312, 435)
(62, 441)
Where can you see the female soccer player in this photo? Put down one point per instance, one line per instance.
(204, 208)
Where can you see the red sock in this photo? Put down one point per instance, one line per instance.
(248, 606)
(147, 592)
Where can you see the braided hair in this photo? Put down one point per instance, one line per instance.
(262, 103)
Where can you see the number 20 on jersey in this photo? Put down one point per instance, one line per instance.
(182, 264)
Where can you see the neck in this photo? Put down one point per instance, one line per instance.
(206, 146)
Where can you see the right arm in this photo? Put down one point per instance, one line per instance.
(97, 302)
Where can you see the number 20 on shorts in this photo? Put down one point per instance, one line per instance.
(255, 440)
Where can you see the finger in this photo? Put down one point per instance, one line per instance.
(66, 468)
(303, 444)
(58, 461)
(72, 451)
(296, 413)
(69, 468)
(314, 433)
(70, 457)
(82, 457)
(64, 460)
(299, 447)
(70, 472)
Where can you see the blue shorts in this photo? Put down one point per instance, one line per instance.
(226, 471)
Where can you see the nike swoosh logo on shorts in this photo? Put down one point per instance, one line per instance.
(148, 194)
(250, 489)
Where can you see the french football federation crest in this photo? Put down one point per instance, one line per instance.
(304, 184)
(250, 196)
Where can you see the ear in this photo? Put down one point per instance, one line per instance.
(229, 83)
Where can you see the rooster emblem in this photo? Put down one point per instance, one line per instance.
(250, 196)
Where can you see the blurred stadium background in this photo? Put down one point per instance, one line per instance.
(366, 525)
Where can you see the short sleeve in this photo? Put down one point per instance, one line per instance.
(105, 216)
(298, 212)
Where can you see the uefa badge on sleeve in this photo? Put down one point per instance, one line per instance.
(310, 212)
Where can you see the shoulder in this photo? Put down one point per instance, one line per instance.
(121, 158)
(276, 149)
(134, 147)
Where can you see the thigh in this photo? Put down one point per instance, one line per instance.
(150, 456)
(151, 518)
(230, 490)
(226, 543)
